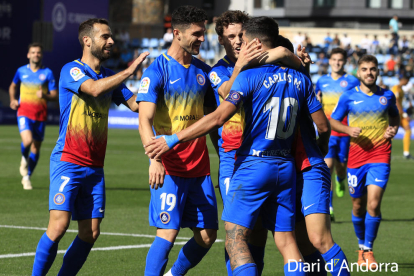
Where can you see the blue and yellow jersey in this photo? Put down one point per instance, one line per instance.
(231, 132)
(30, 82)
(83, 123)
(272, 97)
(370, 113)
(331, 90)
(180, 93)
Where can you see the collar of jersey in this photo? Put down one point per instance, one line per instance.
(330, 75)
(167, 57)
(228, 61)
(28, 67)
(86, 66)
(358, 89)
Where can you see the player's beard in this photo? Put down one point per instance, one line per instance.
(369, 85)
(99, 53)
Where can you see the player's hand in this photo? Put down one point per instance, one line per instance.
(303, 55)
(390, 132)
(319, 96)
(156, 148)
(156, 174)
(137, 63)
(39, 93)
(248, 52)
(354, 132)
(14, 104)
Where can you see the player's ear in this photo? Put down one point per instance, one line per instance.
(220, 39)
(177, 34)
(87, 41)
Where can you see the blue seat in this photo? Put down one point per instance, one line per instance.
(313, 56)
(145, 42)
(154, 53)
(135, 43)
(381, 59)
(315, 78)
(153, 43)
(313, 69)
(210, 54)
(203, 53)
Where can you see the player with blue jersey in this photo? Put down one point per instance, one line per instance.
(329, 88)
(77, 183)
(174, 94)
(37, 87)
(373, 121)
(271, 97)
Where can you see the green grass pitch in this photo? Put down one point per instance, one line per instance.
(128, 195)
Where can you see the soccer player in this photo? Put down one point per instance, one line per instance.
(77, 183)
(404, 118)
(373, 121)
(175, 92)
(271, 96)
(329, 88)
(37, 86)
(222, 75)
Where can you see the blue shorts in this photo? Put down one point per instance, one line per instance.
(226, 168)
(368, 174)
(77, 189)
(339, 148)
(184, 202)
(36, 127)
(265, 188)
(313, 191)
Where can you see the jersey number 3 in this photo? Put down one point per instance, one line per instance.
(280, 125)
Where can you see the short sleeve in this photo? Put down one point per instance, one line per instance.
(313, 103)
(51, 81)
(341, 110)
(121, 94)
(71, 77)
(151, 84)
(16, 78)
(218, 76)
(392, 109)
(241, 84)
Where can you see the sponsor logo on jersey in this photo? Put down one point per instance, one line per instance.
(76, 73)
(59, 199)
(95, 114)
(200, 79)
(343, 83)
(383, 100)
(184, 118)
(214, 78)
(165, 217)
(144, 86)
(368, 127)
(351, 190)
(42, 77)
(278, 152)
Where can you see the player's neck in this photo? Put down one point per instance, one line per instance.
(337, 75)
(93, 62)
(34, 67)
(368, 89)
(179, 54)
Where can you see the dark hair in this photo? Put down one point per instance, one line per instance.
(184, 16)
(230, 17)
(264, 28)
(368, 58)
(284, 42)
(339, 51)
(86, 28)
(35, 44)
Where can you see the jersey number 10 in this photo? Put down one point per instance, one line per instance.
(281, 126)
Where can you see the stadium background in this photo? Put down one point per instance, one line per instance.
(139, 25)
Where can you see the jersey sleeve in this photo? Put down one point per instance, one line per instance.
(242, 84)
(393, 110)
(217, 77)
(342, 108)
(313, 103)
(151, 84)
(121, 94)
(72, 77)
(51, 81)
(16, 78)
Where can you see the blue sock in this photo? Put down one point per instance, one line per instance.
(294, 269)
(334, 259)
(330, 199)
(157, 257)
(315, 260)
(190, 255)
(75, 257)
(228, 264)
(45, 255)
(246, 270)
(371, 229)
(24, 150)
(32, 162)
(359, 226)
(258, 253)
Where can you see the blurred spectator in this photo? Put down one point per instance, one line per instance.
(124, 38)
(298, 40)
(359, 52)
(390, 65)
(393, 44)
(328, 40)
(126, 57)
(346, 41)
(375, 47)
(412, 44)
(409, 67)
(323, 63)
(168, 38)
(349, 50)
(394, 24)
(308, 43)
(385, 44)
(403, 44)
(366, 44)
(335, 44)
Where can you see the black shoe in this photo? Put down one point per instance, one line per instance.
(408, 157)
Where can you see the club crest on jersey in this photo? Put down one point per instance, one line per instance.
(144, 85)
(383, 100)
(214, 78)
(165, 217)
(200, 79)
(59, 199)
(76, 73)
(351, 190)
(42, 77)
(343, 83)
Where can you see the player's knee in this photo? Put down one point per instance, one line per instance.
(374, 208)
(56, 231)
(322, 242)
(89, 235)
(209, 237)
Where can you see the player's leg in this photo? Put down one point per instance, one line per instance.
(200, 214)
(33, 156)
(329, 160)
(24, 125)
(405, 123)
(292, 258)
(257, 243)
(340, 165)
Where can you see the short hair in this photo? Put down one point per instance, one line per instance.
(230, 17)
(184, 16)
(264, 28)
(339, 51)
(86, 28)
(284, 42)
(35, 44)
(368, 58)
